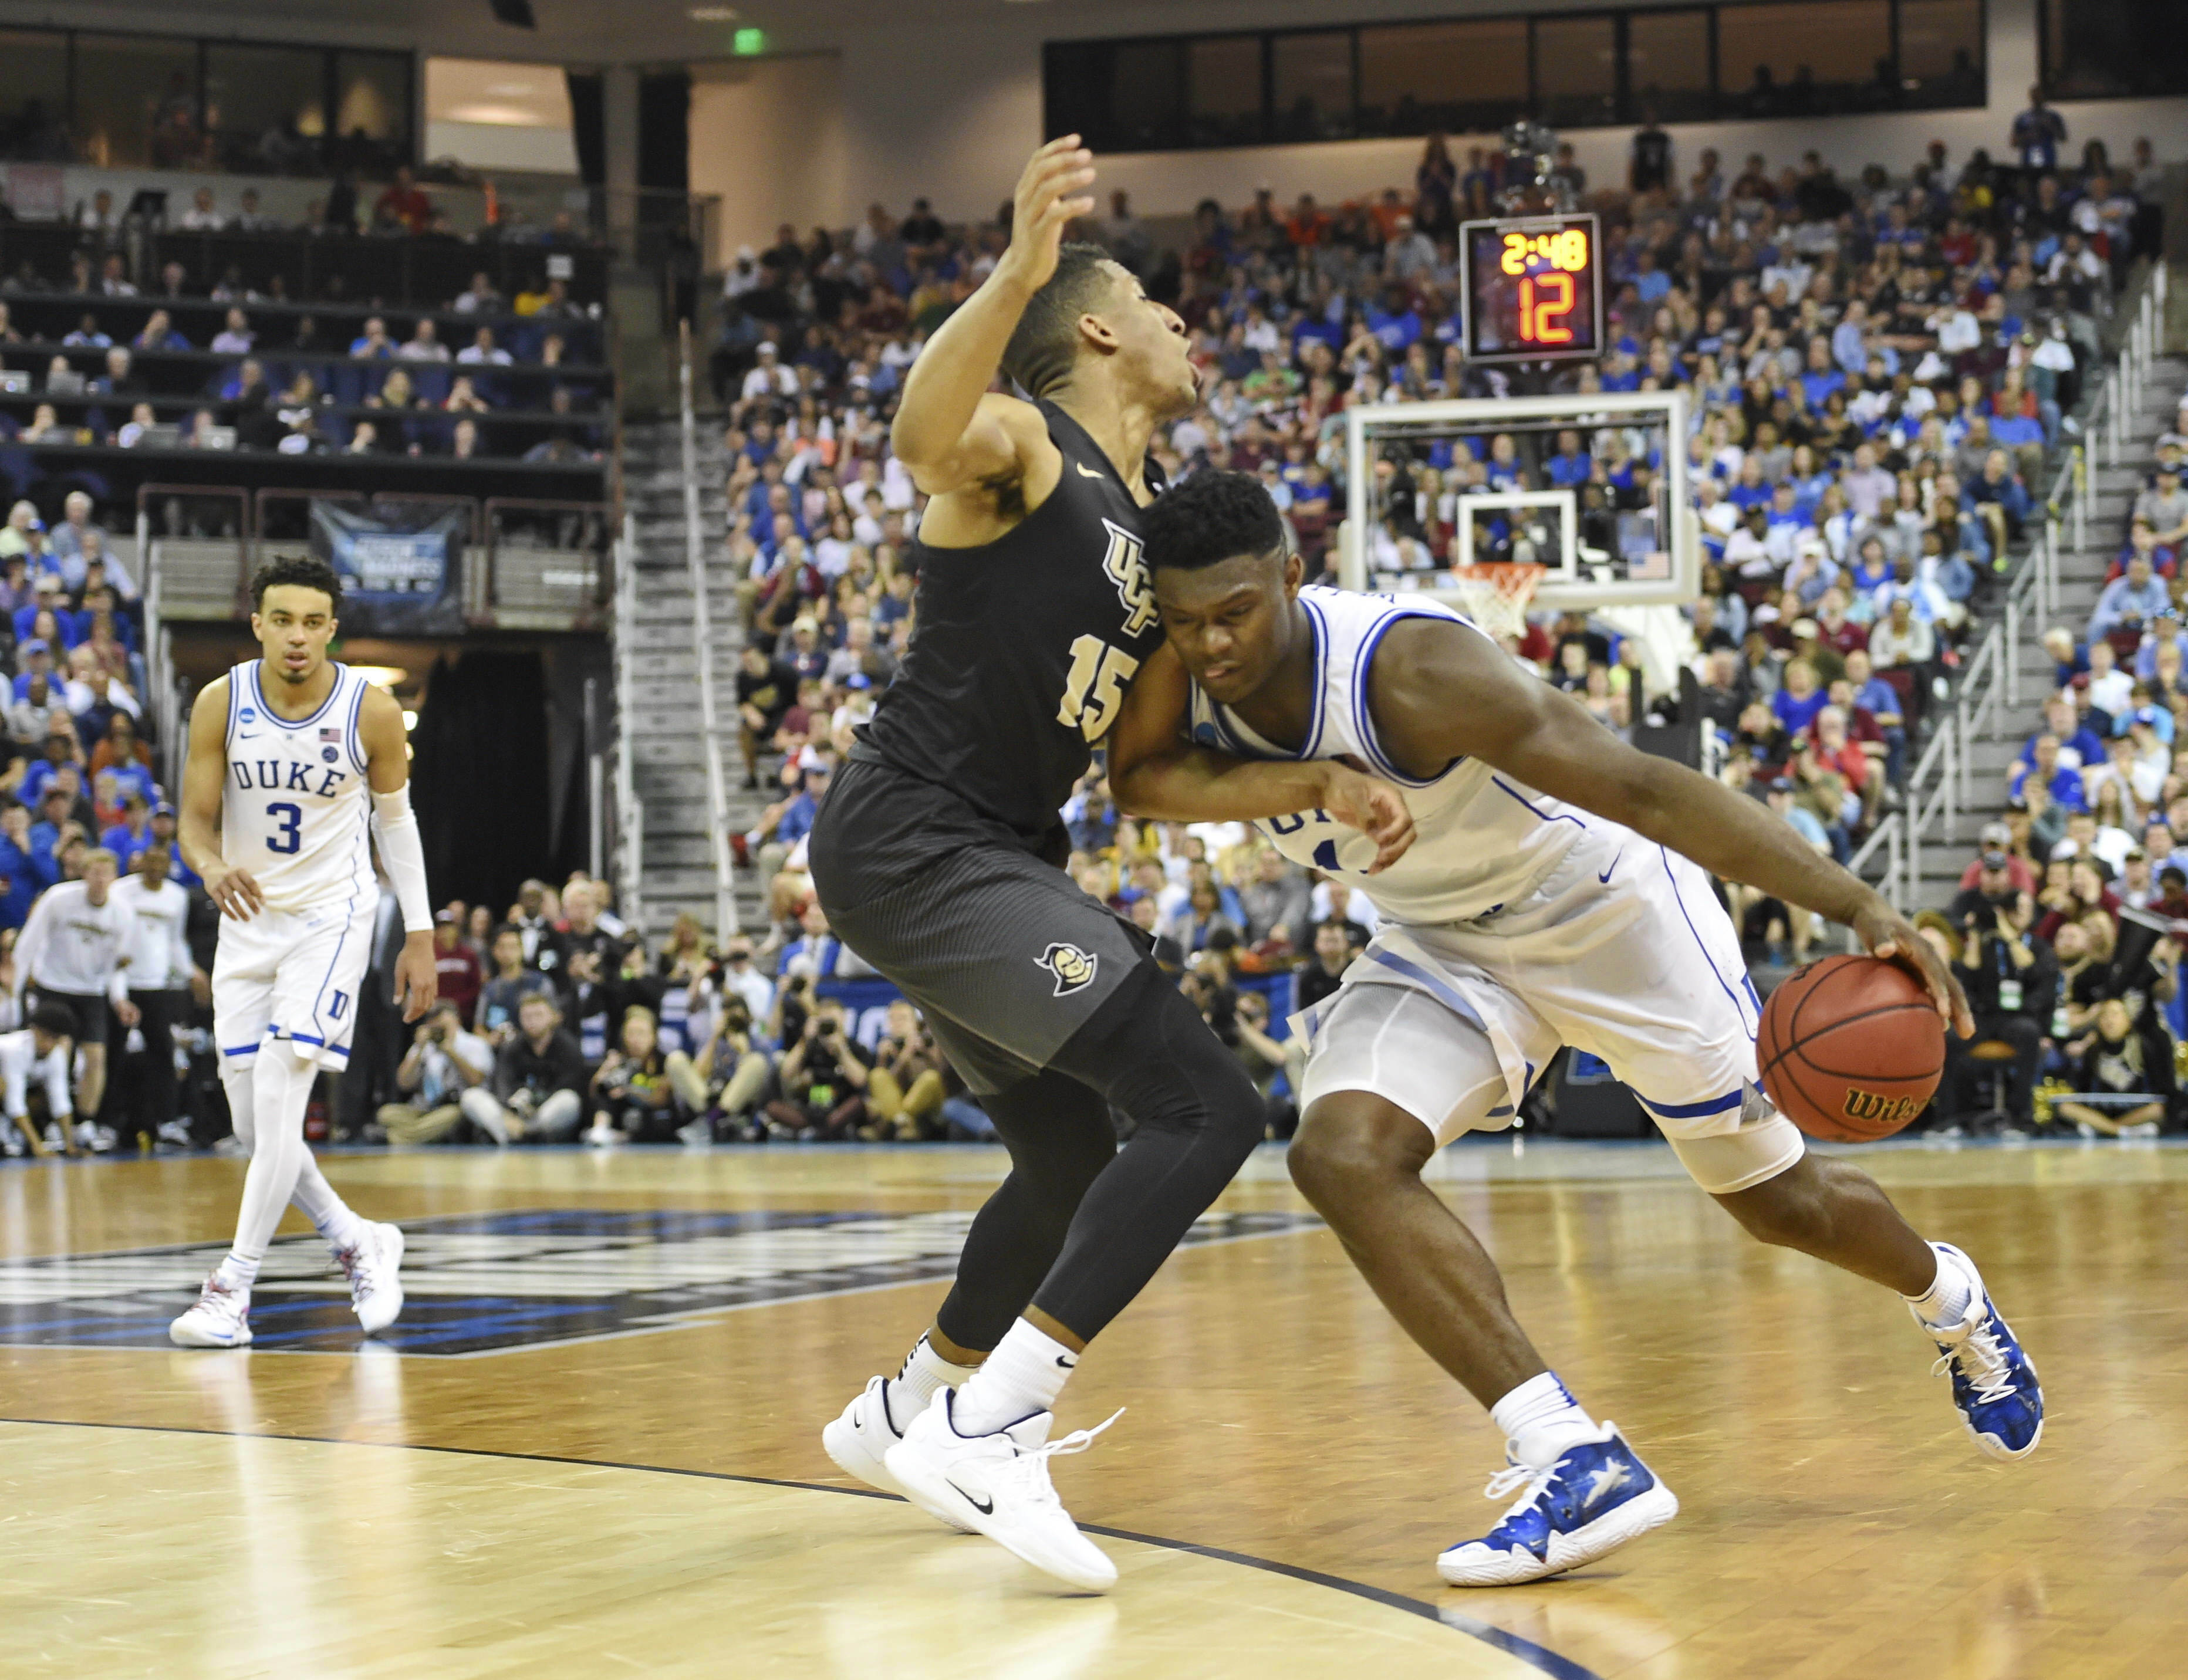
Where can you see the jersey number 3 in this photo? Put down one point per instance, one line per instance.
(1094, 687)
(290, 836)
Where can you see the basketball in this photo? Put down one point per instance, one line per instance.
(1851, 1048)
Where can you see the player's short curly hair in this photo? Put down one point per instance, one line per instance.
(301, 570)
(1045, 346)
(1211, 517)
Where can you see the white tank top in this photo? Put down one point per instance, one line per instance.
(1482, 840)
(294, 811)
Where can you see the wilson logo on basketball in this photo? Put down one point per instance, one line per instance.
(1873, 1108)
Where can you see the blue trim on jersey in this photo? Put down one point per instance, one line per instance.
(1363, 661)
(1692, 1111)
(240, 1049)
(1322, 642)
(1739, 1014)
(1547, 817)
(357, 729)
(259, 689)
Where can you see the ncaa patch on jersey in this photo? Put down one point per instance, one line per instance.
(1073, 968)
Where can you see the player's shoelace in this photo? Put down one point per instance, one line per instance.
(1981, 1360)
(1535, 1482)
(360, 1268)
(1029, 1471)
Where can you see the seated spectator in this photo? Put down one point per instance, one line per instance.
(824, 1077)
(723, 1080)
(2129, 603)
(442, 1063)
(2123, 1059)
(632, 1100)
(539, 1087)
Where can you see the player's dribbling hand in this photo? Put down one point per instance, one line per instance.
(1040, 211)
(235, 892)
(1376, 808)
(1885, 934)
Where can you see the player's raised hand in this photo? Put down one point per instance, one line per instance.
(1885, 934)
(417, 976)
(1049, 195)
(1374, 807)
(234, 890)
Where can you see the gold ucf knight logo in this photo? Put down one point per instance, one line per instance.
(1129, 572)
(1073, 968)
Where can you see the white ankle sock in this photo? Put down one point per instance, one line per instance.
(925, 1373)
(1540, 1419)
(1023, 1376)
(238, 1272)
(1949, 1296)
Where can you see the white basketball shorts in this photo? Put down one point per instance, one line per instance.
(1623, 952)
(295, 975)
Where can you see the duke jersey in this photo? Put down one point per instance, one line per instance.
(1023, 647)
(1482, 840)
(294, 810)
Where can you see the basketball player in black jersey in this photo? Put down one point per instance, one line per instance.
(937, 852)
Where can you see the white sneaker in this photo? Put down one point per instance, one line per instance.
(11, 1140)
(696, 1134)
(603, 1137)
(177, 1133)
(998, 1484)
(98, 1139)
(54, 1141)
(221, 1319)
(858, 1441)
(376, 1284)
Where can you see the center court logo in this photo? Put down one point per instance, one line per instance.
(490, 1283)
(1073, 968)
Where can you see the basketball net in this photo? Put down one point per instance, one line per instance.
(1495, 594)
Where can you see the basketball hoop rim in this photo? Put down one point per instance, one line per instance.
(1516, 580)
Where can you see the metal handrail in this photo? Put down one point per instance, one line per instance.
(702, 643)
(1991, 685)
(630, 817)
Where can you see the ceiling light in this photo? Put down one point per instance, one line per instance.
(713, 14)
(382, 676)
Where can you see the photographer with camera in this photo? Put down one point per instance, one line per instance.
(910, 1080)
(444, 1061)
(539, 1090)
(824, 1080)
(632, 1099)
(2009, 990)
(722, 1081)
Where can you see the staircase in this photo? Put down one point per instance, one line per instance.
(663, 731)
(2081, 578)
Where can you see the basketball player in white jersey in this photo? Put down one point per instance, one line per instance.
(1555, 894)
(293, 757)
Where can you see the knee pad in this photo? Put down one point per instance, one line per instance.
(1766, 1145)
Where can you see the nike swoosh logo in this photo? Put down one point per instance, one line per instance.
(986, 1508)
(1090, 472)
(1603, 879)
(1069, 1364)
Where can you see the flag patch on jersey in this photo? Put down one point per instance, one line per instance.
(332, 732)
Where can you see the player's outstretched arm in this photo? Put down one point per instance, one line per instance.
(402, 850)
(205, 774)
(1439, 691)
(1156, 773)
(953, 434)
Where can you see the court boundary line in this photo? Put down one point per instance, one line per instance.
(1539, 1657)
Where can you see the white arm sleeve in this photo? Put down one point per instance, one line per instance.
(403, 852)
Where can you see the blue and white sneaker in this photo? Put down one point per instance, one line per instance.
(1595, 1498)
(1993, 1382)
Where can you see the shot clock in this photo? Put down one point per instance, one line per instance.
(1534, 288)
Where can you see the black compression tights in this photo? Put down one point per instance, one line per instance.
(1079, 1226)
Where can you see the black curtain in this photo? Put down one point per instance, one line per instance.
(479, 778)
(664, 132)
(587, 126)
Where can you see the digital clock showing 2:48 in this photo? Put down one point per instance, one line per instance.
(1533, 287)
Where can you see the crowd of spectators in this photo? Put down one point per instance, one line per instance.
(204, 360)
(2074, 986)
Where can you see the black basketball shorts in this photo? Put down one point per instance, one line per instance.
(1002, 953)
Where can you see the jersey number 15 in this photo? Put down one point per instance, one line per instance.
(1094, 687)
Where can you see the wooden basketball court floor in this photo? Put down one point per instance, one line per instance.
(591, 1447)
